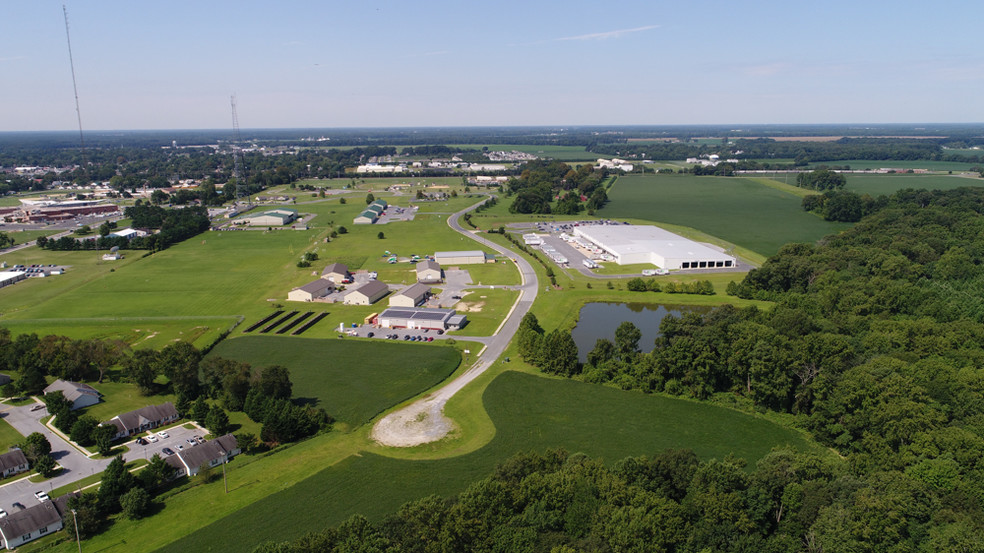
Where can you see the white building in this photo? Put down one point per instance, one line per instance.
(411, 296)
(631, 244)
(367, 294)
(460, 258)
(311, 291)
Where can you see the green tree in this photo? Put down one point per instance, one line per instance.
(82, 430)
(156, 473)
(44, 465)
(560, 354)
(142, 368)
(627, 337)
(102, 437)
(217, 421)
(179, 363)
(821, 179)
(199, 410)
(116, 480)
(370, 198)
(135, 503)
(86, 513)
(275, 382)
(35, 445)
(381, 235)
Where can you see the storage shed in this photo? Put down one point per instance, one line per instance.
(469, 257)
(311, 291)
(411, 296)
(367, 294)
(428, 271)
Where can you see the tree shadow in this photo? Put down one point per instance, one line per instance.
(306, 401)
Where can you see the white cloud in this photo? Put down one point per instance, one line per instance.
(608, 34)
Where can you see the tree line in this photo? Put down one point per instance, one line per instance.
(173, 225)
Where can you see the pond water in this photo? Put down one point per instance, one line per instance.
(599, 320)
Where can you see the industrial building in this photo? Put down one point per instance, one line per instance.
(428, 271)
(421, 318)
(372, 213)
(9, 277)
(273, 218)
(411, 296)
(460, 258)
(631, 244)
(367, 294)
(311, 291)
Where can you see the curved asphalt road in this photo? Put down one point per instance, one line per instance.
(423, 421)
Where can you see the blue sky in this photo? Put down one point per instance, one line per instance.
(174, 64)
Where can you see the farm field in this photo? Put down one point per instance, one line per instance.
(734, 209)
(877, 185)
(354, 380)
(530, 413)
(862, 164)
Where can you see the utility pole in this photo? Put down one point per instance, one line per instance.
(77, 538)
(225, 481)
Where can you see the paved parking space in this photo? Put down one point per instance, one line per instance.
(177, 440)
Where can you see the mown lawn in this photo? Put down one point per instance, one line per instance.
(738, 210)
(354, 380)
(8, 436)
(530, 413)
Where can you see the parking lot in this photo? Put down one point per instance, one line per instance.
(177, 440)
(395, 213)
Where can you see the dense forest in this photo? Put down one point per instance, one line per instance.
(875, 345)
(542, 180)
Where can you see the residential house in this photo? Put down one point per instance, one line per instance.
(12, 462)
(143, 419)
(78, 394)
(34, 522)
(190, 460)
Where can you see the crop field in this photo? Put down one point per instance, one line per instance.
(877, 185)
(737, 210)
(530, 413)
(354, 380)
(863, 164)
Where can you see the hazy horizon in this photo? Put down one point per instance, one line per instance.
(315, 65)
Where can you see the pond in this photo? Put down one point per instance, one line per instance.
(599, 320)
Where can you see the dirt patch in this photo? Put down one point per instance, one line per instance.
(470, 307)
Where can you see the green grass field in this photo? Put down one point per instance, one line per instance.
(887, 184)
(737, 210)
(8, 436)
(530, 413)
(354, 380)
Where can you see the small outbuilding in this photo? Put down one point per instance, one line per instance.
(78, 394)
(411, 296)
(311, 291)
(469, 257)
(428, 271)
(367, 294)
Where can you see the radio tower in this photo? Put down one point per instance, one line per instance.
(237, 154)
(75, 89)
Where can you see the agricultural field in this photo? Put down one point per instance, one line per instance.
(886, 184)
(354, 380)
(734, 209)
(863, 164)
(530, 413)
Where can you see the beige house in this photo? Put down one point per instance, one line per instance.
(336, 272)
(428, 271)
(411, 296)
(367, 294)
(311, 291)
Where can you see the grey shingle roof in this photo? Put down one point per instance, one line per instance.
(71, 390)
(29, 520)
(151, 413)
(11, 459)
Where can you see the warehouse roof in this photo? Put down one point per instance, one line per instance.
(371, 288)
(629, 239)
(414, 290)
(465, 253)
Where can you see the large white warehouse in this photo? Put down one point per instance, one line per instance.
(630, 244)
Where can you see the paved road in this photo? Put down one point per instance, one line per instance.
(424, 421)
(74, 463)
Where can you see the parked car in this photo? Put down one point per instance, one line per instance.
(152, 438)
(167, 451)
(42, 496)
(37, 407)
(191, 441)
(199, 440)
(141, 441)
(163, 434)
(3, 513)
(370, 335)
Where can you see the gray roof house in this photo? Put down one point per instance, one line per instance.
(34, 522)
(12, 462)
(311, 291)
(78, 394)
(211, 453)
(411, 296)
(145, 418)
(336, 272)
